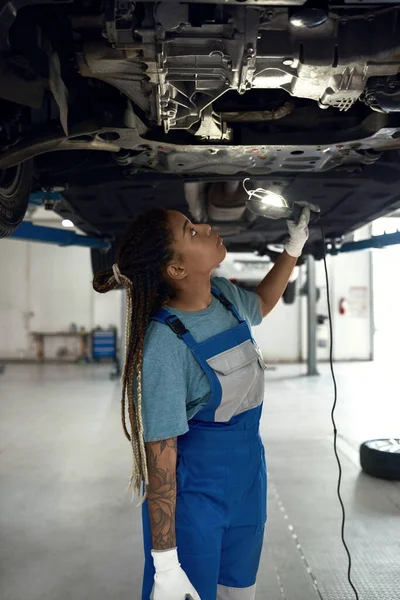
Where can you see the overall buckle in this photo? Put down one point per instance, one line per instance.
(176, 325)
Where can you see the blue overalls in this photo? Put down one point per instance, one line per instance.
(221, 473)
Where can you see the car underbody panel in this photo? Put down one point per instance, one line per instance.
(219, 79)
(302, 97)
(101, 201)
(187, 57)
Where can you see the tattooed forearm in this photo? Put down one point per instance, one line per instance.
(161, 492)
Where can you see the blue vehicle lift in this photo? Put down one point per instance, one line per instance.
(39, 198)
(51, 235)
(376, 241)
(62, 237)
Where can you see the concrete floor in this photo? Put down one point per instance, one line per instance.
(69, 529)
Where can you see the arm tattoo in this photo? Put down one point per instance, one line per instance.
(161, 492)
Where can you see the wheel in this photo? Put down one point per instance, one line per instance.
(101, 261)
(381, 458)
(289, 295)
(15, 187)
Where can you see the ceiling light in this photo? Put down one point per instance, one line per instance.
(67, 223)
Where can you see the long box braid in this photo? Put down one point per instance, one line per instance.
(143, 256)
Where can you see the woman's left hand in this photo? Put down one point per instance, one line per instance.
(298, 234)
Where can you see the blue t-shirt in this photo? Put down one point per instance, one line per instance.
(174, 386)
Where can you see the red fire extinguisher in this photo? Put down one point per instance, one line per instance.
(343, 306)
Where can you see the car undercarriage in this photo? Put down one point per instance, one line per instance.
(187, 99)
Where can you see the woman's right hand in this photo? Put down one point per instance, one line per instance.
(170, 580)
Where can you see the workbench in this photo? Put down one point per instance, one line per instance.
(40, 336)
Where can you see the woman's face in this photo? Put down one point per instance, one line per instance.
(199, 248)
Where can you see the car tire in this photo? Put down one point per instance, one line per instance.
(289, 295)
(381, 458)
(15, 187)
(102, 260)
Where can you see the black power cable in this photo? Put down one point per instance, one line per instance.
(333, 416)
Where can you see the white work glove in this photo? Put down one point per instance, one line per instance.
(298, 234)
(170, 580)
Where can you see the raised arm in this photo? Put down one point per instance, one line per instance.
(274, 283)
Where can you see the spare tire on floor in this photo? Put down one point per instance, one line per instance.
(381, 458)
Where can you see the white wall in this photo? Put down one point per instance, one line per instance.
(14, 298)
(386, 294)
(46, 288)
(349, 279)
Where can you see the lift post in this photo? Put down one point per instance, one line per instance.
(311, 318)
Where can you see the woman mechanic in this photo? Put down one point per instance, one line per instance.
(193, 387)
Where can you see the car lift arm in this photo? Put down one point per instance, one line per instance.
(51, 235)
(376, 241)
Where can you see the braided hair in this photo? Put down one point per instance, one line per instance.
(142, 257)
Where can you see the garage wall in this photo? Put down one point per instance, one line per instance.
(14, 298)
(349, 279)
(47, 288)
(352, 334)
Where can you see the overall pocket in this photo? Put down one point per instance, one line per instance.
(241, 376)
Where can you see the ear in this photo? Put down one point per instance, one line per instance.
(176, 272)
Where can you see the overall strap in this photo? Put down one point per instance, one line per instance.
(228, 305)
(163, 316)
